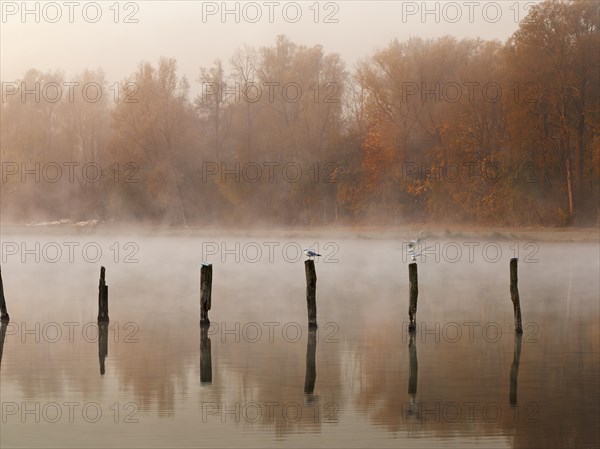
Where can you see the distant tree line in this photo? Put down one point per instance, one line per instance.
(468, 131)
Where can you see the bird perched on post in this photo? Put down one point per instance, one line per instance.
(310, 253)
(414, 255)
(412, 245)
(414, 249)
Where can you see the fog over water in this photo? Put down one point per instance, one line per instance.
(363, 391)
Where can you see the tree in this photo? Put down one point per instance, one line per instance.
(154, 131)
(556, 48)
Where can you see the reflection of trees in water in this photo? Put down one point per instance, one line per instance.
(371, 363)
(158, 369)
(450, 376)
(155, 373)
(281, 372)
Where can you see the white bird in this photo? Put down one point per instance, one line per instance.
(414, 248)
(413, 244)
(310, 253)
(415, 255)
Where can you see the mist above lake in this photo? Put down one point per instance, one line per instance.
(372, 383)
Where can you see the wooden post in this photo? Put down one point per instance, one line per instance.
(102, 298)
(205, 292)
(205, 355)
(413, 285)
(311, 368)
(102, 344)
(514, 295)
(3, 312)
(514, 370)
(311, 292)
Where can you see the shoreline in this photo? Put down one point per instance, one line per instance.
(401, 232)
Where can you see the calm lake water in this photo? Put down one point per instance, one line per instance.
(258, 378)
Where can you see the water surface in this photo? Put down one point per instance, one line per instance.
(259, 378)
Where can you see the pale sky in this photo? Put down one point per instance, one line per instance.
(179, 29)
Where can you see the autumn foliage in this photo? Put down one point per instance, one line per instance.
(467, 131)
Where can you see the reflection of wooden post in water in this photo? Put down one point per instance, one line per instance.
(205, 355)
(514, 294)
(102, 298)
(413, 286)
(3, 326)
(311, 292)
(3, 312)
(311, 367)
(413, 366)
(102, 344)
(205, 292)
(413, 370)
(514, 370)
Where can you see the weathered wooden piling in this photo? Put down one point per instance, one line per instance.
(514, 370)
(205, 292)
(102, 344)
(205, 355)
(102, 298)
(3, 312)
(311, 292)
(413, 287)
(311, 367)
(514, 294)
